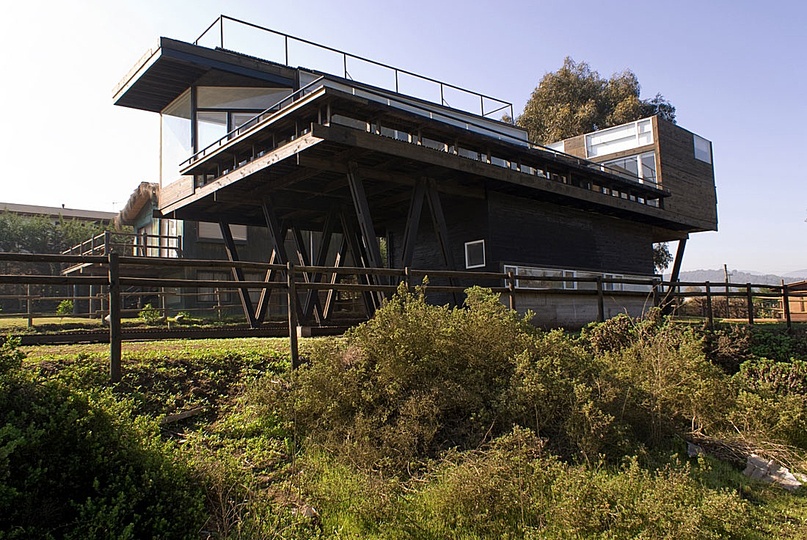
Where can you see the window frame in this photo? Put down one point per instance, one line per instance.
(468, 264)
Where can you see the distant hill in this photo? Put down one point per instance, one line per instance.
(739, 276)
(798, 274)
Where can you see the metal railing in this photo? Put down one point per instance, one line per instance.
(139, 245)
(497, 105)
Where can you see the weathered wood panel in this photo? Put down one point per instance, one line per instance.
(535, 233)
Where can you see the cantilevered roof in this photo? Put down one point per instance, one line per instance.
(165, 72)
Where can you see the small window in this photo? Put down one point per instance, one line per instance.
(475, 254)
(703, 149)
(212, 231)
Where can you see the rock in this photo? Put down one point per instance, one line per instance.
(693, 450)
(771, 472)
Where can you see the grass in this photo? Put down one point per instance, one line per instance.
(256, 471)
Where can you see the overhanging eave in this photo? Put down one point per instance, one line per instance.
(174, 66)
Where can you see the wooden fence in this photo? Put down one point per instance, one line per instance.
(110, 274)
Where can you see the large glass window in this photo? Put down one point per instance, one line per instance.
(221, 109)
(619, 138)
(211, 126)
(233, 98)
(175, 135)
(641, 166)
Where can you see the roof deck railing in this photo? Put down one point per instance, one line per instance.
(488, 105)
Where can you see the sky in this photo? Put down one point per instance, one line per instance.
(735, 70)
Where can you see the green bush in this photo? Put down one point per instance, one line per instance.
(150, 314)
(668, 384)
(64, 308)
(78, 464)
(412, 381)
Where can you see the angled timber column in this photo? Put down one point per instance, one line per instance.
(311, 294)
(674, 276)
(362, 207)
(277, 236)
(441, 229)
(327, 309)
(238, 273)
(413, 221)
(372, 301)
(312, 300)
(439, 220)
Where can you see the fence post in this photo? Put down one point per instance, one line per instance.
(114, 319)
(709, 313)
(656, 293)
(407, 279)
(786, 305)
(292, 307)
(28, 307)
(600, 301)
(750, 297)
(511, 290)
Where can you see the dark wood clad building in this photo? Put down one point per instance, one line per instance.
(332, 165)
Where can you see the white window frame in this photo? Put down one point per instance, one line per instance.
(468, 264)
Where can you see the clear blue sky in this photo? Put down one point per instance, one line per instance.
(735, 70)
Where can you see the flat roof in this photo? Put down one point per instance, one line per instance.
(162, 74)
(55, 211)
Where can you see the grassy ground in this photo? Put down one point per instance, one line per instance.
(260, 482)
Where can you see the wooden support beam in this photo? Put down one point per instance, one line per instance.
(266, 293)
(277, 243)
(115, 339)
(238, 273)
(413, 222)
(362, 207)
(666, 307)
(441, 229)
(311, 295)
(322, 254)
(360, 260)
(327, 309)
(439, 220)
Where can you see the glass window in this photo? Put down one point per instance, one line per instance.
(703, 149)
(211, 126)
(648, 170)
(212, 231)
(227, 97)
(175, 137)
(641, 166)
(619, 138)
(475, 254)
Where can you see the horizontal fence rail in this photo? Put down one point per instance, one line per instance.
(113, 286)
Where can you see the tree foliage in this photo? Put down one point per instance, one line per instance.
(576, 100)
(41, 234)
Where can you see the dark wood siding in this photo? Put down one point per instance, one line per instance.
(466, 220)
(535, 233)
(691, 181)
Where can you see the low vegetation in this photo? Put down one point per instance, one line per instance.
(425, 422)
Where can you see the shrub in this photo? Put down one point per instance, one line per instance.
(669, 385)
(149, 314)
(64, 308)
(413, 380)
(78, 464)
